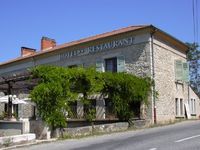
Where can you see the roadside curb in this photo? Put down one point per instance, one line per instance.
(29, 144)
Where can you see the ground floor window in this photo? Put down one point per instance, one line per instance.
(179, 107)
(192, 106)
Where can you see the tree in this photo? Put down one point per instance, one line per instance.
(52, 95)
(193, 58)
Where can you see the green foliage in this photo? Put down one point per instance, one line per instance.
(91, 115)
(85, 81)
(59, 86)
(122, 89)
(193, 53)
(49, 100)
(193, 57)
(52, 94)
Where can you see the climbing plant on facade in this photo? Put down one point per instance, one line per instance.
(59, 86)
(52, 95)
(86, 82)
(123, 89)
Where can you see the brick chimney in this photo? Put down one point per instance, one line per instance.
(25, 51)
(47, 43)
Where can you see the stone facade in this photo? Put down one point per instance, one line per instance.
(143, 57)
(168, 89)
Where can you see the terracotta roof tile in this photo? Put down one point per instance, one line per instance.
(73, 43)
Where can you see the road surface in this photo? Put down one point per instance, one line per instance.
(180, 136)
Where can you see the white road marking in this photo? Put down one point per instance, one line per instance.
(188, 138)
(153, 149)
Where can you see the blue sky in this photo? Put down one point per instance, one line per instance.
(24, 22)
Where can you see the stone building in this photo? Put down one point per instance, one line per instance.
(140, 50)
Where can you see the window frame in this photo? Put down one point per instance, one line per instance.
(179, 108)
(113, 62)
(192, 106)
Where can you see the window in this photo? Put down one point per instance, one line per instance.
(111, 64)
(179, 107)
(192, 106)
(181, 71)
(194, 111)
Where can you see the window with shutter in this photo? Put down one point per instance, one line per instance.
(181, 71)
(185, 72)
(120, 64)
(178, 70)
(111, 64)
(99, 65)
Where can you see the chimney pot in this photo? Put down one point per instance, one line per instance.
(47, 43)
(25, 51)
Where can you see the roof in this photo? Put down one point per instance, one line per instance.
(92, 38)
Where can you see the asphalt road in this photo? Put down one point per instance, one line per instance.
(180, 136)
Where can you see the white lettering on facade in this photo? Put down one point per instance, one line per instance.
(98, 48)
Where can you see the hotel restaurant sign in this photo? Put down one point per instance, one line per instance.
(98, 48)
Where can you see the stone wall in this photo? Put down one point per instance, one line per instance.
(164, 58)
(40, 129)
(8, 128)
(104, 128)
(193, 96)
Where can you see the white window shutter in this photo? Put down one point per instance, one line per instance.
(185, 72)
(178, 70)
(120, 64)
(99, 65)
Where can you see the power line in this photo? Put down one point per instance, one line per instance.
(195, 20)
(193, 15)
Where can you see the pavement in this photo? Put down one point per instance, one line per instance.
(180, 136)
